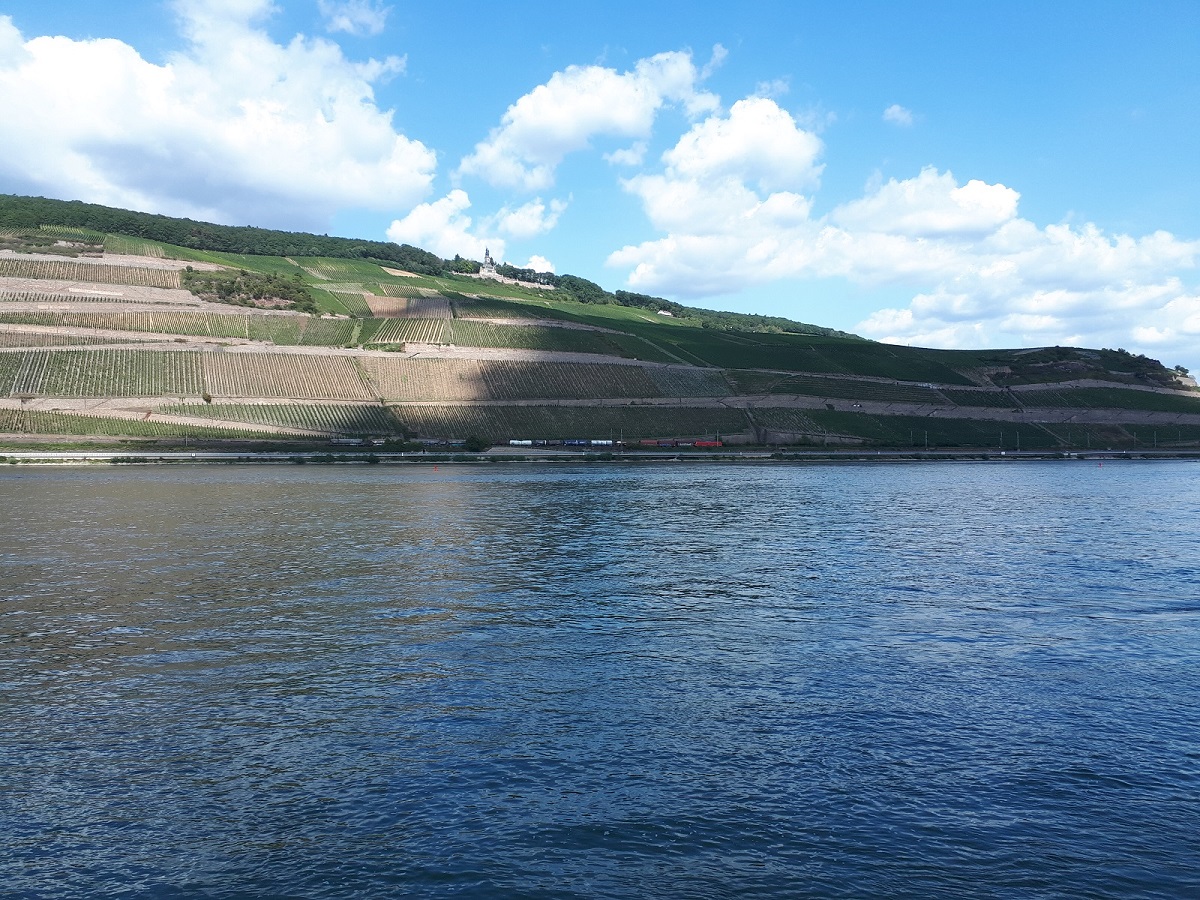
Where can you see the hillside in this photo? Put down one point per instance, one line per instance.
(105, 334)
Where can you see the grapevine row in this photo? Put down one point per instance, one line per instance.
(501, 423)
(100, 373)
(330, 418)
(283, 376)
(100, 273)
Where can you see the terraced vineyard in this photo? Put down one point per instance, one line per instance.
(1043, 399)
(11, 339)
(342, 270)
(279, 329)
(497, 308)
(131, 246)
(338, 392)
(993, 399)
(386, 307)
(402, 291)
(97, 273)
(679, 381)
(76, 297)
(353, 302)
(41, 422)
(503, 423)
(429, 308)
(914, 431)
(470, 333)
(780, 419)
(100, 373)
(418, 331)
(1112, 398)
(410, 380)
(351, 419)
(816, 386)
(283, 376)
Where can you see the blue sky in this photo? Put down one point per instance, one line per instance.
(945, 174)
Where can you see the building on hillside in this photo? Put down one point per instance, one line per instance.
(488, 267)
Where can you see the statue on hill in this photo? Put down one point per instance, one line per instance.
(489, 265)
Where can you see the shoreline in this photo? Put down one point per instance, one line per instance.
(80, 458)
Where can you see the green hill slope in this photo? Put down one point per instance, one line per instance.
(123, 324)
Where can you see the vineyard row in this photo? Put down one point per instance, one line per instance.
(100, 273)
(144, 373)
(283, 330)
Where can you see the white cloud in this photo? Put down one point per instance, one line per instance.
(234, 128)
(718, 224)
(12, 45)
(929, 205)
(539, 264)
(757, 142)
(529, 220)
(732, 207)
(442, 228)
(898, 115)
(633, 155)
(578, 104)
(776, 88)
(358, 17)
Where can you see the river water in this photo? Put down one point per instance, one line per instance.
(670, 680)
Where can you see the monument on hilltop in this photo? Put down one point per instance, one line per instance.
(488, 267)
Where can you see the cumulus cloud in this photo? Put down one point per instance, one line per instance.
(581, 103)
(539, 264)
(929, 205)
(734, 203)
(712, 199)
(442, 227)
(235, 128)
(898, 115)
(358, 17)
(633, 155)
(529, 220)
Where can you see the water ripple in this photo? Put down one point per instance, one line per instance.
(912, 681)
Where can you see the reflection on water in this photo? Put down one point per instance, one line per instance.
(600, 681)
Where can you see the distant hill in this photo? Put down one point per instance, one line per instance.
(18, 212)
(110, 330)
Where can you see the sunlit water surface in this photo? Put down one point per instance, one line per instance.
(671, 681)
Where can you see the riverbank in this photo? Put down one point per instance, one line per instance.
(499, 456)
